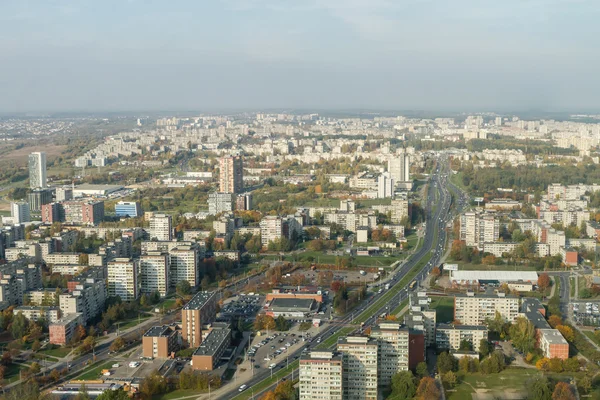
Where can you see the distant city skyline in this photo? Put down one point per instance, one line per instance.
(331, 54)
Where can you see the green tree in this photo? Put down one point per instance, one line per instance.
(484, 347)
(403, 385)
(539, 389)
(563, 391)
(119, 394)
(421, 369)
(449, 379)
(183, 288)
(282, 324)
(465, 345)
(445, 362)
(522, 334)
(19, 326)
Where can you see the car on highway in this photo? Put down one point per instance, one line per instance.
(243, 387)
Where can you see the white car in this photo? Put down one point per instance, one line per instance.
(243, 387)
(272, 366)
(115, 365)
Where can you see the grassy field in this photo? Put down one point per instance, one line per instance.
(398, 309)
(132, 322)
(93, 372)
(513, 378)
(444, 308)
(12, 372)
(58, 352)
(572, 287)
(593, 337)
(320, 257)
(175, 394)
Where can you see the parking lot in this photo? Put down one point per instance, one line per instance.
(273, 348)
(586, 313)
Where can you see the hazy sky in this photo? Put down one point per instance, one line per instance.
(99, 55)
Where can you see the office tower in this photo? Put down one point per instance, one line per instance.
(64, 194)
(359, 360)
(393, 340)
(399, 167)
(37, 170)
(20, 212)
(128, 209)
(321, 376)
(200, 310)
(161, 227)
(385, 186)
(123, 278)
(184, 260)
(231, 174)
(154, 273)
(39, 197)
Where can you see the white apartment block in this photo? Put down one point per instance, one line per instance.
(154, 273)
(399, 167)
(321, 376)
(62, 258)
(393, 340)
(450, 336)
(220, 202)
(161, 227)
(184, 265)
(471, 309)
(385, 186)
(271, 229)
(476, 229)
(34, 313)
(123, 278)
(500, 248)
(359, 360)
(399, 208)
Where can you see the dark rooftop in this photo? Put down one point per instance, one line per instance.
(199, 300)
(159, 331)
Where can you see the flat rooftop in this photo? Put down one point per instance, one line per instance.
(553, 336)
(501, 276)
(199, 300)
(292, 304)
(159, 331)
(213, 342)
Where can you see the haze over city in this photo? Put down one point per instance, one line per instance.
(431, 55)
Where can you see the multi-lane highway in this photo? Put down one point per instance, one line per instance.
(437, 216)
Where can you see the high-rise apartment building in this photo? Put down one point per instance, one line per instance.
(321, 376)
(477, 229)
(472, 309)
(399, 167)
(85, 212)
(161, 227)
(393, 340)
(39, 197)
(154, 272)
(20, 212)
(450, 337)
(385, 186)
(37, 170)
(123, 278)
(359, 373)
(220, 202)
(184, 261)
(52, 212)
(64, 194)
(200, 310)
(231, 175)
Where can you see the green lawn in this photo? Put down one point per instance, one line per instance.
(444, 308)
(322, 258)
(398, 309)
(513, 378)
(58, 352)
(93, 372)
(176, 394)
(590, 334)
(132, 322)
(572, 288)
(12, 372)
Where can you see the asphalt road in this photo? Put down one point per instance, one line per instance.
(437, 217)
